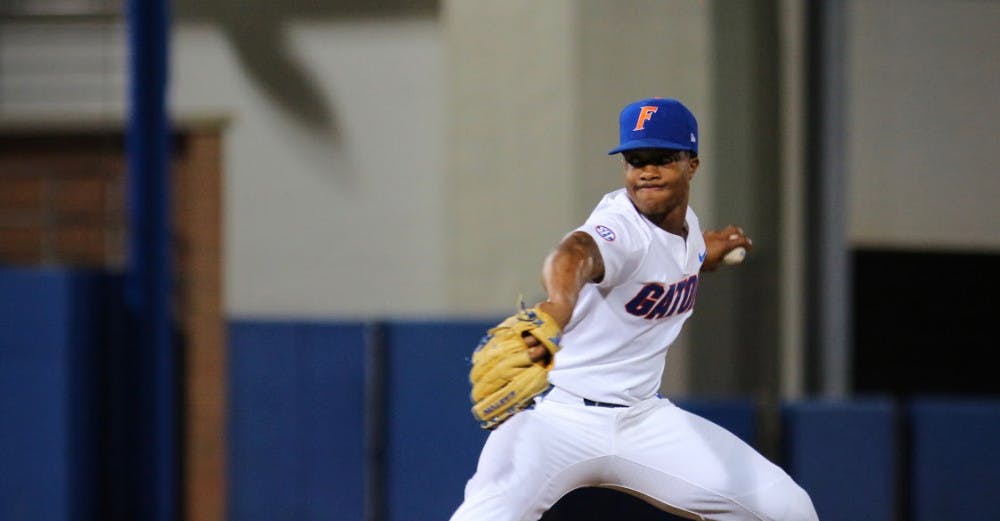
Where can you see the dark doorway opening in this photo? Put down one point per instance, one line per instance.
(925, 322)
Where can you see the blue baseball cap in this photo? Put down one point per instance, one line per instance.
(657, 123)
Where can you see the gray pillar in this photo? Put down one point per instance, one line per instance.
(736, 325)
(830, 274)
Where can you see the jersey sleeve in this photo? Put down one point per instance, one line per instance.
(621, 245)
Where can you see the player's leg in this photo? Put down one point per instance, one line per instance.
(535, 458)
(505, 462)
(678, 459)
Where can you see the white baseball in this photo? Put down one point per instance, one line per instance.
(735, 256)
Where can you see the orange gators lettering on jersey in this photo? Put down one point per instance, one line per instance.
(656, 301)
(645, 113)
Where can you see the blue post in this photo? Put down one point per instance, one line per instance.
(151, 469)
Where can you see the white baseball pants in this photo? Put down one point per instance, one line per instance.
(673, 459)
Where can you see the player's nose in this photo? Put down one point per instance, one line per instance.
(649, 172)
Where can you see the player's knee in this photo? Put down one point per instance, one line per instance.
(783, 500)
(796, 505)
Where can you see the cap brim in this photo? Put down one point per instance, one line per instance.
(650, 143)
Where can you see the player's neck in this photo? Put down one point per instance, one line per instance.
(674, 221)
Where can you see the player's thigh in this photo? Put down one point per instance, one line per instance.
(502, 482)
(685, 461)
(531, 460)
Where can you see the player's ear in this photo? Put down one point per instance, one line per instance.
(694, 162)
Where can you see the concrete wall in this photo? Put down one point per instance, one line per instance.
(335, 168)
(923, 124)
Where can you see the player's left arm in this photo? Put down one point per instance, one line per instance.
(720, 242)
(574, 262)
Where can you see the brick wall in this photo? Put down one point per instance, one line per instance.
(63, 203)
(61, 200)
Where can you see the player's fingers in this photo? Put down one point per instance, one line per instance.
(731, 230)
(536, 350)
(738, 238)
(538, 353)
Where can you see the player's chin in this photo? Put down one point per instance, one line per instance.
(653, 202)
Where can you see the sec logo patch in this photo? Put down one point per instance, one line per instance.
(606, 233)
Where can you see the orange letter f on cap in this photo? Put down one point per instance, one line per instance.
(645, 113)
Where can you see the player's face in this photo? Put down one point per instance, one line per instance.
(658, 180)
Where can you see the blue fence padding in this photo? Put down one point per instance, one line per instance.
(432, 441)
(954, 459)
(844, 453)
(737, 415)
(50, 406)
(296, 433)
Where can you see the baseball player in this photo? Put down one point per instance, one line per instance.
(618, 288)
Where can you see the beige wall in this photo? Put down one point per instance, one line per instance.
(335, 184)
(923, 120)
(510, 113)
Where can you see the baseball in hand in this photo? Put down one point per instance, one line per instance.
(735, 256)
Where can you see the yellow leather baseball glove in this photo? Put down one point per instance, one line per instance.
(504, 379)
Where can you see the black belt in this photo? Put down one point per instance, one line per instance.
(592, 403)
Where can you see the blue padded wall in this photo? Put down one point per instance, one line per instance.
(296, 434)
(844, 454)
(433, 443)
(50, 404)
(954, 459)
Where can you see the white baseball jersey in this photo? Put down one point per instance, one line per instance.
(614, 347)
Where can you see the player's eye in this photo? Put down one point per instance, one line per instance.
(636, 162)
(665, 158)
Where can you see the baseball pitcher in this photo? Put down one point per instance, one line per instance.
(568, 387)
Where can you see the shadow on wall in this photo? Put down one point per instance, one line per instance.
(256, 31)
